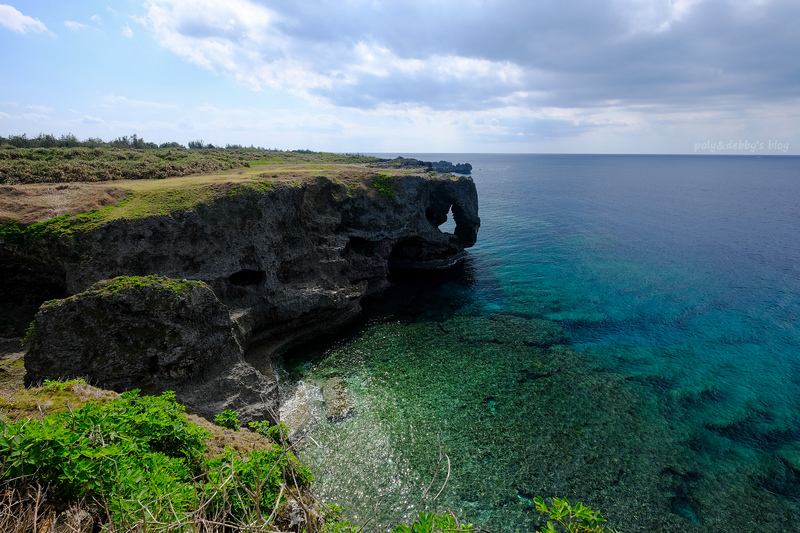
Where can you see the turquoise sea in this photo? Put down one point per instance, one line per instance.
(625, 333)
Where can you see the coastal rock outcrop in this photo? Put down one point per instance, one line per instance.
(153, 334)
(284, 262)
(410, 162)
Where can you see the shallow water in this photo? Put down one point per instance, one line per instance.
(625, 333)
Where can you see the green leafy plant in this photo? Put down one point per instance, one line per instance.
(128, 450)
(278, 433)
(384, 184)
(138, 460)
(57, 385)
(578, 518)
(30, 334)
(261, 427)
(238, 484)
(334, 522)
(228, 419)
(432, 523)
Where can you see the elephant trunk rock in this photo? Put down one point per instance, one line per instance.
(277, 265)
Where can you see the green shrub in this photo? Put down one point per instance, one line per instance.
(128, 450)
(431, 523)
(334, 522)
(228, 419)
(30, 334)
(576, 518)
(384, 184)
(237, 485)
(261, 427)
(57, 385)
(140, 459)
(278, 433)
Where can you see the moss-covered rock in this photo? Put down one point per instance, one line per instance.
(150, 333)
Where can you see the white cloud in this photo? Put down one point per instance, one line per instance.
(71, 24)
(493, 70)
(256, 46)
(127, 32)
(114, 100)
(35, 117)
(97, 20)
(16, 21)
(379, 61)
(92, 120)
(233, 37)
(40, 108)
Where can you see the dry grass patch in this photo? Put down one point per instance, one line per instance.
(33, 203)
(241, 441)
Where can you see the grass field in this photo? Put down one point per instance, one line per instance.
(82, 164)
(40, 184)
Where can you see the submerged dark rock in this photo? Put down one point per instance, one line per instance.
(338, 403)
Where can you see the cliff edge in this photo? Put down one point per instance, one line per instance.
(285, 261)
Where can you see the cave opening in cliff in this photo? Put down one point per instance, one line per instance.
(449, 225)
(440, 214)
(247, 277)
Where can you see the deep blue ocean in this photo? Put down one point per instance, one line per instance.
(625, 333)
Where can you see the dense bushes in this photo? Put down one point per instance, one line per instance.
(138, 460)
(58, 165)
(108, 163)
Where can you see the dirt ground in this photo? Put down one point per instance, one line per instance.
(33, 203)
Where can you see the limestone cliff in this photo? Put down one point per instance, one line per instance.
(287, 262)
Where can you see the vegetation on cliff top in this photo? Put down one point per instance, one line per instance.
(64, 190)
(383, 182)
(48, 160)
(146, 198)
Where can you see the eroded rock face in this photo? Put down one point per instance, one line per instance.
(284, 264)
(153, 334)
(288, 261)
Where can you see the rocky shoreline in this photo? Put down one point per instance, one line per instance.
(269, 267)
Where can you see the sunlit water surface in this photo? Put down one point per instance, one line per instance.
(625, 333)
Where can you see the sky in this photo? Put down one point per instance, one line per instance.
(402, 76)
